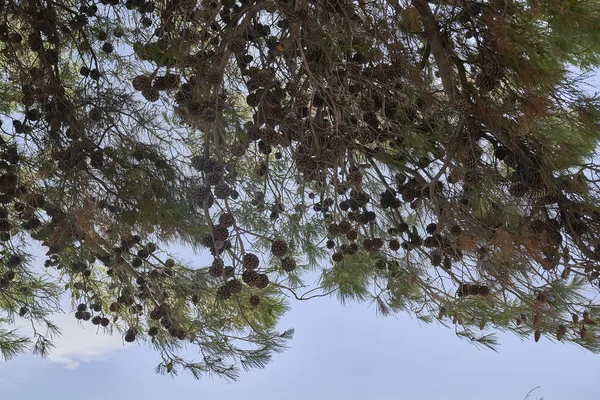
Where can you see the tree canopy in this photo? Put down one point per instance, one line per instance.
(433, 157)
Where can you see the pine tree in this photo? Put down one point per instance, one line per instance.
(442, 152)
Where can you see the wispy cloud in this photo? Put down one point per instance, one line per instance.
(81, 343)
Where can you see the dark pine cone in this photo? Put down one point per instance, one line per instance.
(456, 230)
(217, 268)
(388, 200)
(234, 286)
(352, 235)
(377, 243)
(222, 190)
(177, 333)
(288, 264)
(517, 190)
(226, 219)
(254, 300)
(197, 163)
(467, 289)
(153, 331)
(345, 227)
(447, 263)
(202, 193)
(228, 272)
(263, 281)
(279, 248)
(213, 178)
(137, 262)
(130, 335)
(142, 83)
(431, 228)
(220, 233)
(250, 277)
(156, 273)
(157, 313)
(436, 259)
(223, 293)
(207, 241)
(250, 261)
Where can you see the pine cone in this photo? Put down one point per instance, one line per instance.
(447, 263)
(142, 83)
(352, 235)
(279, 248)
(226, 219)
(217, 268)
(536, 226)
(130, 335)
(250, 261)
(202, 193)
(222, 190)
(456, 230)
(151, 94)
(250, 277)
(157, 313)
(436, 259)
(212, 179)
(517, 190)
(467, 289)
(561, 331)
(223, 293)
(431, 228)
(270, 6)
(254, 300)
(234, 286)
(377, 243)
(220, 233)
(228, 272)
(288, 264)
(263, 281)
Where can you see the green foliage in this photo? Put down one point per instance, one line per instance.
(433, 157)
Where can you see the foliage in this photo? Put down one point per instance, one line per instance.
(435, 157)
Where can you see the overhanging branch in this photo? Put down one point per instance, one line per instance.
(442, 55)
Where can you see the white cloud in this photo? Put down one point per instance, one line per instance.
(81, 343)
